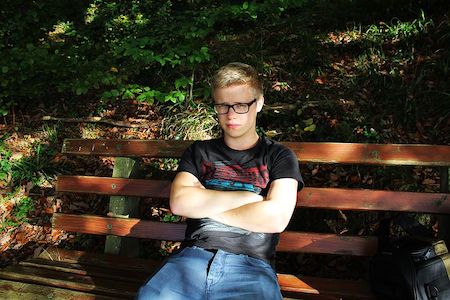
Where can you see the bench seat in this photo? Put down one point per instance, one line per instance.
(71, 274)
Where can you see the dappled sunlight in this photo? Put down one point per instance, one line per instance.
(198, 122)
(311, 242)
(375, 154)
(378, 200)
(114, 186)
(124, 227)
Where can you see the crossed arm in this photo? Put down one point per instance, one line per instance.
(242, 209)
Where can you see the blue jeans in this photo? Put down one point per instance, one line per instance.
(195, 273)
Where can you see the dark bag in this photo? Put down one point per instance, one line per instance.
(411, 268)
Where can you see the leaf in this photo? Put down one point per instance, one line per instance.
(204, 50)
(159, 59)
(181, 96)
(310, 128)
(428, 181)
(334, 177)
(308, 122)
(182, 82)
(106, 95)
(245, 5)
(142, 97)
(271, 133)
(79, 91)
(128, 95)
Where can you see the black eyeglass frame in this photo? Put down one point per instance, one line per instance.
(232, 106)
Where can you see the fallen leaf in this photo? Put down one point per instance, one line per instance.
(334, 177)
(428, 181)
(271, 133)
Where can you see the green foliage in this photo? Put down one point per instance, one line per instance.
(33, 168)
(171, 218)
(398, 31)
(145, 50)
(5, 164)
(19, 214)
(19, 173)
(375, 54)
(22, 209)
(116, 46)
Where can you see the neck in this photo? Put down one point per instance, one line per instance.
(243, 142)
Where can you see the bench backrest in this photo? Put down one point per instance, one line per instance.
(329, 198)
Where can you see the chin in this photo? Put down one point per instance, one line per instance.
(232, 133)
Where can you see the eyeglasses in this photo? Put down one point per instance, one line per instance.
(239, 108)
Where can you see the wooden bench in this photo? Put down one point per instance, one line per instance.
(69, 274)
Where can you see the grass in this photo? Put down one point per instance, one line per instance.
(198, 122)
(37, 167)
(5, 164)
(90, 131)
(398, 30)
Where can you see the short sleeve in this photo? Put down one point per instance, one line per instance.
(188, 161)
(284, 164)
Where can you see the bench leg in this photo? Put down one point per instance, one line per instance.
(124, 207)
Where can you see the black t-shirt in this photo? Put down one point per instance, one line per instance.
(219, 167)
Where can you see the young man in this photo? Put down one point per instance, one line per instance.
(238, 193)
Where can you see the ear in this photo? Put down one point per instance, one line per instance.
(259, 104)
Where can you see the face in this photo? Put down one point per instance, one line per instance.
(238, 126)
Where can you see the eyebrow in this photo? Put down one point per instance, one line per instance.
(225, 103)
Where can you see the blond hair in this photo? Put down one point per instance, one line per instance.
(237, 73)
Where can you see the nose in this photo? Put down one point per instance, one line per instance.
(231, 113)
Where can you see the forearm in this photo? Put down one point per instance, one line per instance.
(198, 202)
(264, 216)
(271, 215)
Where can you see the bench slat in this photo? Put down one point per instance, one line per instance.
(129, 276)
(288, 283)
(289, 241)
(330, 198)
(127, 148)
(113, 186)
(323, 152)
(118, 226)
(21, 290)
(348, 289)
(108, 287)
(372, 154)
(103, 260)
(374, 200)
(291, 285)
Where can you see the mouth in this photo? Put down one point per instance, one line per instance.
(232, 126)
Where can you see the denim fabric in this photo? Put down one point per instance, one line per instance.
(195, 273)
